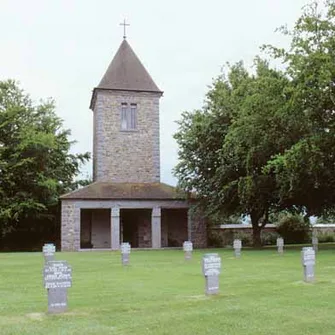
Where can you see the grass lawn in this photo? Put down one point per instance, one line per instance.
(159, 293)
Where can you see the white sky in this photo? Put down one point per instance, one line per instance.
(61, 49)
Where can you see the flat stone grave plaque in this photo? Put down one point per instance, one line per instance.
(315, 243)
(211, 268)
(57, 279)
(188, 248)
(125, 252)
(49, 250)
(308, 263)
(237, 247)
(280, 245)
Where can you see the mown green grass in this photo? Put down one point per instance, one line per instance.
(160, 293)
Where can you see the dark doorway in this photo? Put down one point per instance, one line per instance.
(174, 227)
(136, 227)
(95, 228)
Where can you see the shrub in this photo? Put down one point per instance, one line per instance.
(227, 238)
(244, 237)
(269, 238)
(215, 239)
(293, 229)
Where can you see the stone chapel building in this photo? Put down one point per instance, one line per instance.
(126, 201)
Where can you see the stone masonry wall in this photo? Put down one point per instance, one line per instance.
(164, 230)
(174, 227)
(144, 234)
(198, 229)
(324, 228)
(227, 233)
(70, 230)
(121, 155)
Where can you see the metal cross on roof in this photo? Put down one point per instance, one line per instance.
(124, 24)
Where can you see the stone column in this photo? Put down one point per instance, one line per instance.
(156, 228)
(70, 227)
(197, 228)
(115, 228)
(76, 228)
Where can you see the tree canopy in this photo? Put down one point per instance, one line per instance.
(36, 165)
(264, 140)
(305, 171)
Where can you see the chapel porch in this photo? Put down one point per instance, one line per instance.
(102, 215)
(135, 227)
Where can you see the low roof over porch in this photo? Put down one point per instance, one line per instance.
(138, 191)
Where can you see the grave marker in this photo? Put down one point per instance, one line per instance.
(237, 247)
(57, 279)
(125, 252)
(280, 245)
(188, 248)
(315, 242)
(49, 250)
(211, 268)
(308, 263)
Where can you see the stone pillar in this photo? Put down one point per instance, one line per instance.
(197, 228)
(115, 228)
(70, 226)
(156, 228)
(76, 229)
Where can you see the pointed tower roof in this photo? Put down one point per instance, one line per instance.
(126, 72)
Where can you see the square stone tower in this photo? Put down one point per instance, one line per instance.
(126, 201)
(126, 122)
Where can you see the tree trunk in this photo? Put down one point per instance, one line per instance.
(256, 237)
(256, 231)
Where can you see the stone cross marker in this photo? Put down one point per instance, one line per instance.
(308, 263)
(237, 247)
(49, 250)
(211, 268)
(315, 242)
(57, 279)
(188, 248)
(280, 245)
(125, 252)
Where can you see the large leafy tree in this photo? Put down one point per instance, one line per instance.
(36, 165)
(225, 146)
(305, 172)
(264, 142)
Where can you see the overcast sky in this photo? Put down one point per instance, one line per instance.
(61, 49)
